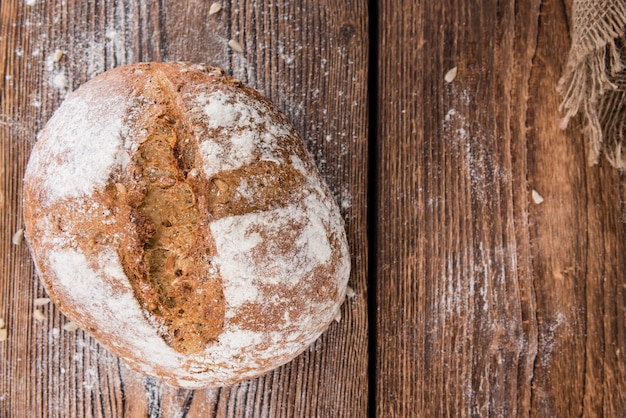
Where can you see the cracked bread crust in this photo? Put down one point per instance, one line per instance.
(175, 215)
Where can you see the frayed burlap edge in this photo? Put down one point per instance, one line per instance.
(593, 82)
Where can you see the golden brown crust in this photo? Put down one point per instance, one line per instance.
(175, 215)
(169, 270)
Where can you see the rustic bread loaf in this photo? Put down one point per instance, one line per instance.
(175, 215)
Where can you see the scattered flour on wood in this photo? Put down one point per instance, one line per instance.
(474, 149)
(345, 199)
(547, 337)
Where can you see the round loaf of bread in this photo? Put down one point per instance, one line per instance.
(175, 215)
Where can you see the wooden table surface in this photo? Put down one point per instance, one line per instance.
(471, 299)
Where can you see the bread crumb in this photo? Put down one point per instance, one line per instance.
(450, 75)
(30, 2)
(215, 8)
(235, 46)
(41, 301)
(3, 334)
(350, 293)
(18, 237)
(537, 198)
(39, 316)
(70, 327)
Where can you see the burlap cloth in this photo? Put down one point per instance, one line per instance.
(594, 80)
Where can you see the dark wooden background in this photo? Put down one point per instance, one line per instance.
(470, 298)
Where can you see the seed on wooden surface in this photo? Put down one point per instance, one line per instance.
(58, 54)
(3, 334)
(235, 46)
(215, 8)
(450, 75)
(39, 316)
(70, 327)
(537, 198)
(41, 301)
(338, 316)
(18, 237)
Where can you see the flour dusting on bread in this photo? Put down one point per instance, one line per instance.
(241, 121)
(83, 145)
(102, 297)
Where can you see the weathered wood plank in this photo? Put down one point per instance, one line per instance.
(488, 303)
(311, 58)
(448, 284)
(578, 237)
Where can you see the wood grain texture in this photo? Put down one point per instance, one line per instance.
(488, 303)
(310, 58)
(579, 253)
